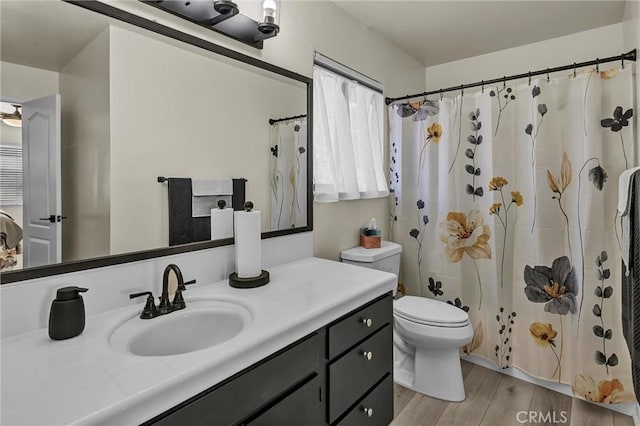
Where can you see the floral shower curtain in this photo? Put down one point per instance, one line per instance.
(505, 203)
(288, 172)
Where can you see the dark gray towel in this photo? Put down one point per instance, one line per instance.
(631, 281)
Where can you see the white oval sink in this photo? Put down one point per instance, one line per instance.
(202, 324)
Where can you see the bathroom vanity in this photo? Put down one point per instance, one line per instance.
(316, 349)
(338, 374)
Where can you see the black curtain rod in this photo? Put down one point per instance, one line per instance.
(273, 121)
(629, 56)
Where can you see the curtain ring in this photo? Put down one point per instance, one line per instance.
(574, 70)
(529, 78)
(504, 82)
(441, 95)
(547, 75)
(462, 90)
(597, 64)
(482, 86)
(623, 61)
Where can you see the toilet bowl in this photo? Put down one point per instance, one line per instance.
(427, 333)
(427, 338)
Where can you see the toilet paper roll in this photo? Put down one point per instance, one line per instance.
(248, 243)
(221, 223)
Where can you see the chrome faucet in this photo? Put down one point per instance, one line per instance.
(165, 306)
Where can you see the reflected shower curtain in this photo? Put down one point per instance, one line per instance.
(288, 171)
(505, 202)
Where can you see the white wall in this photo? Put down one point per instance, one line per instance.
(307, 26)
(84, 89)
(175, 112)
(11, 135)
(583, 46)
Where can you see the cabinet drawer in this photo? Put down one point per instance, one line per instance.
(353, 374)
(375, 409)
(241, 396)
(350, 330)
(302, 407)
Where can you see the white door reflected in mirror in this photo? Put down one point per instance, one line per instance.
(42, 206)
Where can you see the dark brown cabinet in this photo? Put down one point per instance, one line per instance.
(358, 370)
(360, 352)
(376, 408)
(340, 374)
(303, 406)
(358, 325)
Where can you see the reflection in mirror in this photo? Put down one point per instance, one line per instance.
(107, 108)
(10, 188)
(288, 169)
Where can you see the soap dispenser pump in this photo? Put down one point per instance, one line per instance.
(67, 317)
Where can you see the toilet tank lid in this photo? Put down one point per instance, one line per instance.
(423, 309)
(361, 254)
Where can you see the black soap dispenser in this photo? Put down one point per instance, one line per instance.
(66, 318)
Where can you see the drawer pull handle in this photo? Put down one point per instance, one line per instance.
(367, 322)
(368, 412)
(367, 355)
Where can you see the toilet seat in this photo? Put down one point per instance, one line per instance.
(430, 312)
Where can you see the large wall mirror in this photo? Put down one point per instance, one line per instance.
(131, 132)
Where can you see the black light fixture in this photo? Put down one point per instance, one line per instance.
(225, 6)
(224, 16)
(226, 9)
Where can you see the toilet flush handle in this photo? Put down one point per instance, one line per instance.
(368, 411)
(366, 321)
(367, 355)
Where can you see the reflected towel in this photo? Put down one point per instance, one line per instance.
(623, 188)
(632, 184)
(207, 192)
(206, 187)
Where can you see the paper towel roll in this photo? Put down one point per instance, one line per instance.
(247, 228)
(221, 223)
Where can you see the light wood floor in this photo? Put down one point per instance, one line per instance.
(494, 399)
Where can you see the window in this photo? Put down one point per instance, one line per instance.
(347, 135)
(10, 175)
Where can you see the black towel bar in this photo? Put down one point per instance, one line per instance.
(162, 179)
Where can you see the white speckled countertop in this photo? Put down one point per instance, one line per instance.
(85, 380)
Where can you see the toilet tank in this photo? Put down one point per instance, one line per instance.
(386, 258)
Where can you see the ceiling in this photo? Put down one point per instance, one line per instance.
(29, 36)
(435, 32)
(432, 32)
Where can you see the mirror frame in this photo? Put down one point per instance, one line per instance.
(98, 262)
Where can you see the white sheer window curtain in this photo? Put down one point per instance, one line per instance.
(347, 137)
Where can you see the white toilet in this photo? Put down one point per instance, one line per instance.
(427, 333)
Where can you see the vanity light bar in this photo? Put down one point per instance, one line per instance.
(225, 17)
